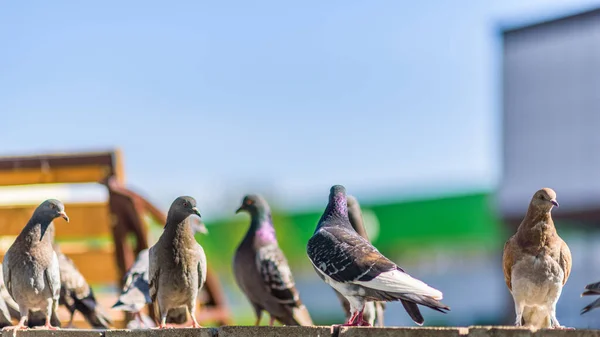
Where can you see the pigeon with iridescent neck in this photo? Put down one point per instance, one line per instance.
(30, 268)
(373, 310)
(262, 271)
(351, 265)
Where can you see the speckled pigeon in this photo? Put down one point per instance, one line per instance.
(136, 288)
(262, 271)
(177, 263)
(373, 310)
(352, 266)
(77, 295)
(30, 267)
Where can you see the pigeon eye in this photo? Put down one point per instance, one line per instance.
(248, 202)
(53, 206)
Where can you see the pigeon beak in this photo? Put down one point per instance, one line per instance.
(239, 209)
(196, 211)
(554, 202)
(64, 216)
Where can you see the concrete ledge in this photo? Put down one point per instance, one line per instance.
(280, 331)
(182, 332)
(315, 331)
(402, 332)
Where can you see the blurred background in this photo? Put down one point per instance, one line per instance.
(442, 118)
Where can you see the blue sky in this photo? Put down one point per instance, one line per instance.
(218, 99)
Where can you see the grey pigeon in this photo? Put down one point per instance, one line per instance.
(76, 294)
(373, 310)
(136, 288)
(591, 289)
(135, 293)
(30, 267)
(11, 305)
(351, 265)
(177, 263)
(262, 271)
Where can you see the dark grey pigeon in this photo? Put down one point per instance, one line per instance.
(351, 265)
(30, 267)
(373, 310)
(591, 289)
(262, 271)
(177, 263)
(77, 295)
(135, 293)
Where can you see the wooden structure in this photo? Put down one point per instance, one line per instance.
(95, 238)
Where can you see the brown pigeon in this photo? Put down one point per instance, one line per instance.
(177, 263)
(537, 264)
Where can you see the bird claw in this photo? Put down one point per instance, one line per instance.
(563, 328)
(364, 323)
(160, 327)
(15, 327)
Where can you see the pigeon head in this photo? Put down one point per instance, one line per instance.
(253, 204)
(355, 216)
(352, 203)
(337, 199)
(544, 199)
(50, 210)
(182, 208)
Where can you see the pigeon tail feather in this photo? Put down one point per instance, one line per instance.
(302, 316)
(591, 306)
(413, 311)
(91, 311)
(397, 281)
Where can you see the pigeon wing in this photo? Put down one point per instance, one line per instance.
(565, 260)
(52, 276)
(345, 256)
(276, 275)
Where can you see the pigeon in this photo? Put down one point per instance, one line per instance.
(135, 293)
(591, 289)
(30, 268)
(537, 264)
(76, 294)
(351, 265)
(5, 312)
(11, 305)
(177, 263)
(136, 288)
(262, 271)
(373, 310)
